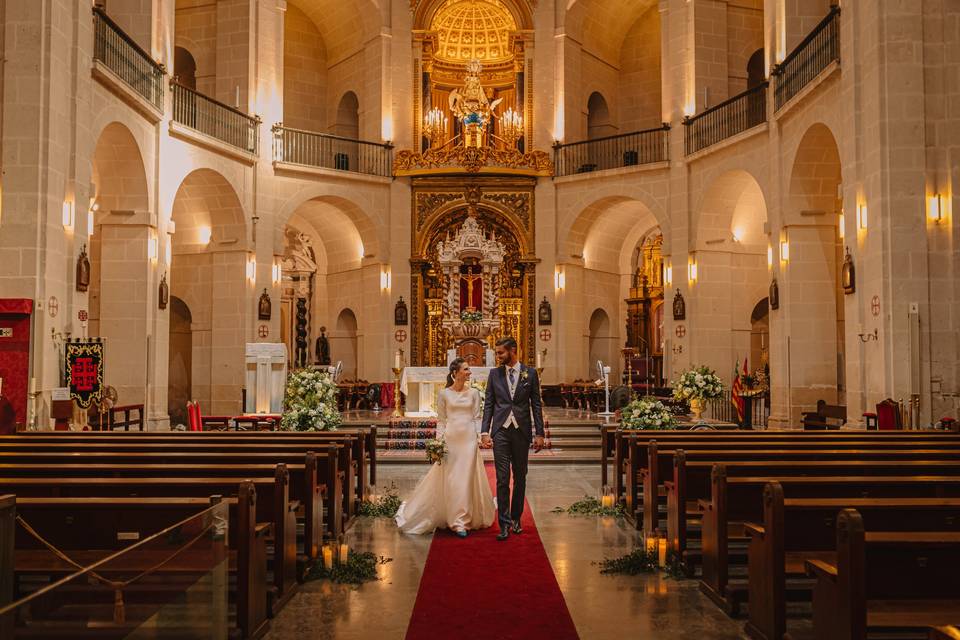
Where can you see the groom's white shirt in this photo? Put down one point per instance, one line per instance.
(511, 420)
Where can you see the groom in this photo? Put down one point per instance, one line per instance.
(512, 411)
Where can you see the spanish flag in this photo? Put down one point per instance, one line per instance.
(735, 389)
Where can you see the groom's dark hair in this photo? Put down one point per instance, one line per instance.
(507, 342)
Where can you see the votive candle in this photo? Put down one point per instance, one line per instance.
(344, 553)
(662, 555)
(327, 557)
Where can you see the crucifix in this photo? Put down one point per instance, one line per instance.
(472, 297)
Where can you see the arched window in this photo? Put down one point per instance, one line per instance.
(185, 67)
(598, 117)
(755, 74)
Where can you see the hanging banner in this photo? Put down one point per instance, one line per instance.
(85, 372)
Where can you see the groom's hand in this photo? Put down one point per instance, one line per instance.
(537, 444)
(486, 441)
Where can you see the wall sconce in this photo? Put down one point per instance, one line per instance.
(385, 279)
(361, 253)
(784, 251)
(252, 269)
(67, 215)
(738, 234)
(840, 225)
(668, 275)
(862, 216)
(935, 208)
(169, 250)
(205, 234)
(277, 272)
(769, 256)
(560, 279)
(94, 207)
(692, 271)
(153, 247)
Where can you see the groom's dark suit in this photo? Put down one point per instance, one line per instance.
(511, 445)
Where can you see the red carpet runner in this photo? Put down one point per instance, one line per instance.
(481, 588)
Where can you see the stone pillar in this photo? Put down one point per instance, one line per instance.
(233, 300)
(710, 52)
(234, 46)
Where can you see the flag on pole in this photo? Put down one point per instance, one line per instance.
(735, 389)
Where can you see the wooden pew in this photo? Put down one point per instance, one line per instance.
(620, 440)
(944, 633)
(336, 475)
(893, 581)
(799, 529)
(273, 505)
(736, 500)
(89, 529)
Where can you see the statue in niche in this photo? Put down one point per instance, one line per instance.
(265, 306)
(322, 347)
(774, 295)
(848, 274)
(471, 289)
(545, 313)
(83, 270)
(679, 307)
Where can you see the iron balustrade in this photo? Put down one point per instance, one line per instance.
(756, 411)
(118, 52)
(808, 59)
(326, 151)
(725, 120)
(215, 119)
(612, 152)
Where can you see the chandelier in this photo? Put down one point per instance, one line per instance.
(511, 127)
(435, 126)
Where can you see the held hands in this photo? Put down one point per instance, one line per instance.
(486, 442)
(537, 444)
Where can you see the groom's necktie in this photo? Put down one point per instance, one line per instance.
(513, 381)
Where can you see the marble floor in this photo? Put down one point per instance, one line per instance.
(648, 607)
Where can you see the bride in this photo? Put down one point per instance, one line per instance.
(454, 493)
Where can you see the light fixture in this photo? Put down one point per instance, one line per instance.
(784, 251)
(67, 215)
(205, 234)
(385, 279)
(169, 250)
(153, 246)
(668, 275)
(435, 126)
(560, 279)
(511, 127)
(840, 225)
(252, 268)
(277, 271)
(362, 253)
(692, 270)
(935, 208)
(862, 216)
(769, 256)
(94, 207)
(738, 234)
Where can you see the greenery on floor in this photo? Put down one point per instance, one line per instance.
(640, 561)
(359, 568)
(590, 506)
(384, 506)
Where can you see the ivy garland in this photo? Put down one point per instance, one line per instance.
(590, 506)
(386, 506)
(360, 567)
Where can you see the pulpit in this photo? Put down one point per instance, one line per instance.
(266, 377)
(422, 384)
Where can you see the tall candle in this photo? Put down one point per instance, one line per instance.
(33, 386)
(327, 557)
(344, 553)
(651, 545)
(539, 360)
(607, 501)
(396, 360)
(662, 555)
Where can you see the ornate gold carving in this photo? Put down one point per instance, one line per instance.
(429, 201)
(518, 203)
(473, 160)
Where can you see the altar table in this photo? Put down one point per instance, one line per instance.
(422, 384)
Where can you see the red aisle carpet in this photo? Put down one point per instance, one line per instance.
(481, 588)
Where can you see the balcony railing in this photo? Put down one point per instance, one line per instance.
(119, 53)
(735, 115)
(215, 119)
(612, 152)
(809, 59)
(327, 151)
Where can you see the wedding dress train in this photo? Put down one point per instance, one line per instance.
(456, 493)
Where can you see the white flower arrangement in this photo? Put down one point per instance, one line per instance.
(699, 383)
(647, 413)
(310, 402)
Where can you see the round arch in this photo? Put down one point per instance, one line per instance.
(118, 171)
(602, 232)
(441, 217)
(732, 208)
(207, 212)
(344, 26)
(815, 172)
(427, 9)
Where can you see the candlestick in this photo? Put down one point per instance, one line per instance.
(397, 412)
(327, 557)
(539, 360)
(344, 553)
(396, 360)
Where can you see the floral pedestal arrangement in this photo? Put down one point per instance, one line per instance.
(310, 402)
(697, 386)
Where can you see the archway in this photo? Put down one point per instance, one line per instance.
(343, 343)
(180, 361)
(812, 299)
(120, 187)
(598, 117)
(211, 272)
(755, 69)
(185, 67)
(602, 344)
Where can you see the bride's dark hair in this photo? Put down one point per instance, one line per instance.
(454, 369)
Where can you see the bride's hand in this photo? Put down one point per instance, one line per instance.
(485, 441)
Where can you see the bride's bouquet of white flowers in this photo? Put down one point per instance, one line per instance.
(310, 402)
(647, 413)
(436, 450)
(699, 383)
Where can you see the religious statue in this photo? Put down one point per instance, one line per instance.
(774, 295)
(470, 104)
(265, 306)
(83, 270)
(322, 348)
(163, 295)
(679, 307)
(545, 313)
(471, 292)
(400, 315)
(848, 275)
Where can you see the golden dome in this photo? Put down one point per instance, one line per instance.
(473, 30)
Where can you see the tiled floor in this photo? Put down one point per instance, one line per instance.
(648, 607)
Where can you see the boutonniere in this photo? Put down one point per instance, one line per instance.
(524, 375)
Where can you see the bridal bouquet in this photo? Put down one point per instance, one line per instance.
(699, 383)
(647, 413)
(310, 402)
(436, 451)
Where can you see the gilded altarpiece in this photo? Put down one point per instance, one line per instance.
(473, 268)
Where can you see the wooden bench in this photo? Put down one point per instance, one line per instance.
(944, 633)
(273, 505)
(891, 581)
(737, 500)
(89, 529)
(827, 416)
(799, 529)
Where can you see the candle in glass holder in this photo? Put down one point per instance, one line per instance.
(662, 552)
(327, 557)
(606, 501)
(651, 544)
(344, 553)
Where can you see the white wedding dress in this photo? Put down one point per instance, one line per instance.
(455, 493)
